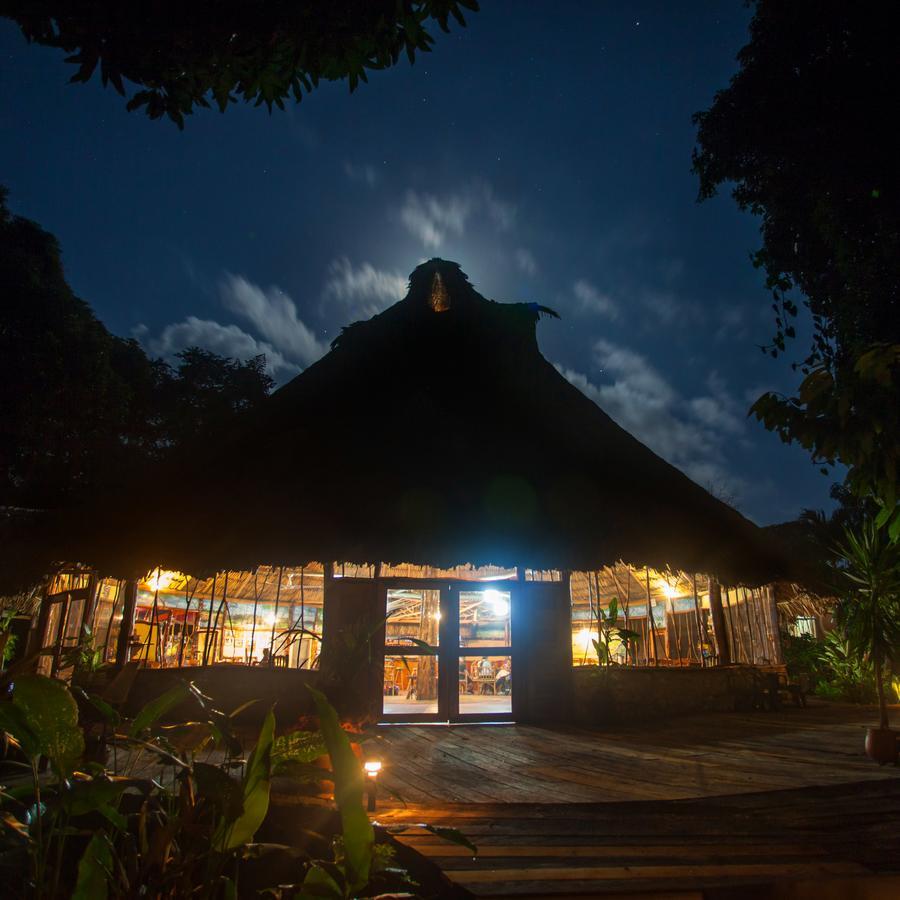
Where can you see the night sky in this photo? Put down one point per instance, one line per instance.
(547, 153)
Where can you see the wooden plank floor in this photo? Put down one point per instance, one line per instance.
(706, 807)
(700, 756)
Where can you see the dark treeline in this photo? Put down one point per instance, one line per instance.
(83, 409)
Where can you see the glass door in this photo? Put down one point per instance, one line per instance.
(483, 653)
(412, 664)
(448, 653)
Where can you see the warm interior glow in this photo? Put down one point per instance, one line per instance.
(499, 603)
(584, 639)
(669, 591)
(160, 579)
(372, 767)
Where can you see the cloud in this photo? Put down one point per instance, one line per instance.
(664, 305)
(274, 316)
(432, 219)
(278, 332)
(363, 290)
(363, 172)
(526, 262)
(691, 433)
(593, 301)
(731, 323)
(226, 340)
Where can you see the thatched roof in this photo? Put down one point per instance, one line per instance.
(427, 435)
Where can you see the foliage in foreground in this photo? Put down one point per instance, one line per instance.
(820, 76)
(854, 662)
(184, 55)
(165, 821)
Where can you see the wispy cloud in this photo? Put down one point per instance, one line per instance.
(433, 219)
(526, 262)
(226, 340)
(278, 332)
(362, 290)
(691, 433)
(274, 315)
(592, 300)
(362, 172)
(731, 323)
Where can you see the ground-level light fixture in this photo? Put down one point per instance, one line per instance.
(372, 767)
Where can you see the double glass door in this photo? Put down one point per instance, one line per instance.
(448, 653)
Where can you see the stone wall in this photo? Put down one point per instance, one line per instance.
(623, 694)
(231, 686)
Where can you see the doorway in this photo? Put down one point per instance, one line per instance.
(448, 653)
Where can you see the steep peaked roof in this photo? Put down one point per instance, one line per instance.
(434, 433)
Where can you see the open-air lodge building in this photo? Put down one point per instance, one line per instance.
(433, 514)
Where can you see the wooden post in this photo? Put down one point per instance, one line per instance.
(737, 638)
(188, 599)
(36, 635)
(717, 613)
(90, 603)
(701, 625)
(112, 615)
(127, 626)
(650, 619)
(212, 603)
(772, 606)
(275, 616)
(217, 653)
(751, 654)
(427, 669)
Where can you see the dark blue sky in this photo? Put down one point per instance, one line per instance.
(547, 152)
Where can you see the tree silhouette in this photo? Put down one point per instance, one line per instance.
(802, 135)
(183, 55)
(82, 408)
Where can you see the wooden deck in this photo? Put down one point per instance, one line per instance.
(713, 805)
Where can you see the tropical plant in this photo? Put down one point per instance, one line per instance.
(7, 639)
(842, 673)
(178, 833)
(164, 822)
(867, 567)
(84, 658)
(612, 637)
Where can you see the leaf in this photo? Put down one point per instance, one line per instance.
(602, 650)
(94, 869)
(349, 780)
(217, 787)
(110, 715)
(453, 835)
(87, 796)
(613, 609)
(14, 723)
(52, 715)
(626, 635)
(12, 824)
(254, 790)
(318, 883)
(239, 709)
(158, 707)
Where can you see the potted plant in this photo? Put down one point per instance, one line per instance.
(868, 613)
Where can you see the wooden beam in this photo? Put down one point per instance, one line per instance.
(127, 625)
(723, 647)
